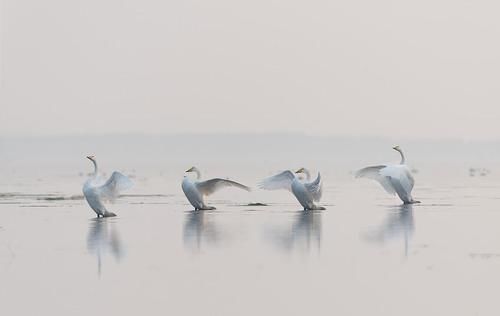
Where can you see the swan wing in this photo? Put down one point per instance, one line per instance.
(116, 183)
(376, 173)
(315, 188)
(280, 181)
(210, 186)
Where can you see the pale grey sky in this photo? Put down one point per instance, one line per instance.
(413, 69)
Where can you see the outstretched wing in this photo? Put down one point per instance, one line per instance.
(115, 184)
(280, 181)
(374, 173)
(315, 188)
(210, 186)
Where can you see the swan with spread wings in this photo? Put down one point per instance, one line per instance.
(96, 190)
(395, 179)
(306, 192)
(196, 190)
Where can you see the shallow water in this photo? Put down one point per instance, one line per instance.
(365, 254)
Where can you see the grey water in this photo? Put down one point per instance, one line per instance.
(366, 254)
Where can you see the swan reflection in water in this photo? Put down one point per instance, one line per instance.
(398, 224)
(199, 229)
(303, 235)
(103, 238)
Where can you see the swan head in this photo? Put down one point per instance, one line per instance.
(303, 173)
(192, 169)
(301, 170)
(397, 148)
(91, 158)
(400, 151)
(195, 170)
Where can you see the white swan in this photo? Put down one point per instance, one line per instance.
(395, 179)
(96, 190)
(195, 191)
(306, 192)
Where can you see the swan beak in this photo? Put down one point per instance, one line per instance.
(190, 169)
(90, 157)
(395, 147)
(300, 170)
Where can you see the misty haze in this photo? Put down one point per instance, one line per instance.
(249, 158)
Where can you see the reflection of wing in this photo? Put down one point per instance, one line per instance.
(304, 235)
(210, 186)
(115, 184)
(103, 238)
(374, 172)
(277, 182)
(199, 231)
(398, 224)
(315, 188)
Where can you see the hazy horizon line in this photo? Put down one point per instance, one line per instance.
(248, 134)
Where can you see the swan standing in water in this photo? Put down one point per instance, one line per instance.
(395, 179)
(195, 191)
(306, 192)
(96, 190)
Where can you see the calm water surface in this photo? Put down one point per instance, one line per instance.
(364, 255)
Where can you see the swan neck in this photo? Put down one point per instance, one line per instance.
(198, 174)
(96, 169)
(403, 159)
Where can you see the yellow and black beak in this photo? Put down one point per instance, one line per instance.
(190, 169)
